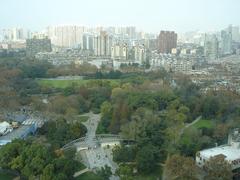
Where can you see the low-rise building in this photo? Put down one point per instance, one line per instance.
(172, 62)
(5, 128)
(19, 133)
(231, 151)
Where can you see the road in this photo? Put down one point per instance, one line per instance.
(96, 156)
(91, 125)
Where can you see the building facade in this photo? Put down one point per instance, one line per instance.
(230, 151)
(102, 44)
(226, 42)
(167, 40)
(119, 52)
(88, 42)
(211, 47)
(66, 36)
(139, 53)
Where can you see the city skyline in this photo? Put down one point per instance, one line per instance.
(151, 16)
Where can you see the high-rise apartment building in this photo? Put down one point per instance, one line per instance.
(17, 34)
(131, 31)
(119, 52)
(139, 53)
(235, 34)
(167, 40)
(87, 42)
(226, 42)
(14, 34)
(103, 44)
(66, 36)
(211, 47)
(34, 46)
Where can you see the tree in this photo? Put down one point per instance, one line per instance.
(35, 161)
(211, 106)
(125, 172)
(124, 154)
(181, 168)
(220, 132)
(106, 116)
(48, 173)
(104, 172)
(147, 159)
(218, 168)
(60, 132)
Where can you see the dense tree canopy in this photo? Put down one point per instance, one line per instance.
(35, 161)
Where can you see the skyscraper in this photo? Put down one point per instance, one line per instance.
(167, 40)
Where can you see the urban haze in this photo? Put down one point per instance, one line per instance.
(120, 90)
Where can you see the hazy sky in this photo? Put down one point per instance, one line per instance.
(149, 15)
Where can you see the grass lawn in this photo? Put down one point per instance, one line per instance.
(83, 118)
(88, 176)
(60, 83)
(79, 82)
(204, 124)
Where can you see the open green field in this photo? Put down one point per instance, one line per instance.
(78, 82)
(203, 124)
(61, 83)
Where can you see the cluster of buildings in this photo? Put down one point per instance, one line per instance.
(68, 44)
(14, 34)
(172, 63)
(18, 126)
(64, 57)
(220, 44)
(117, 45)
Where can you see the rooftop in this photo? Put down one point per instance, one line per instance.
(20, 132)
(230, 152)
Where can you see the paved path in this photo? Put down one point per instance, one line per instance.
(190, 124)
(96, 156)
(76, 174)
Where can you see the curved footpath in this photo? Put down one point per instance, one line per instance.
(95, 156)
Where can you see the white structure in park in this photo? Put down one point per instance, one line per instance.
(5, 128)
(230, 151)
